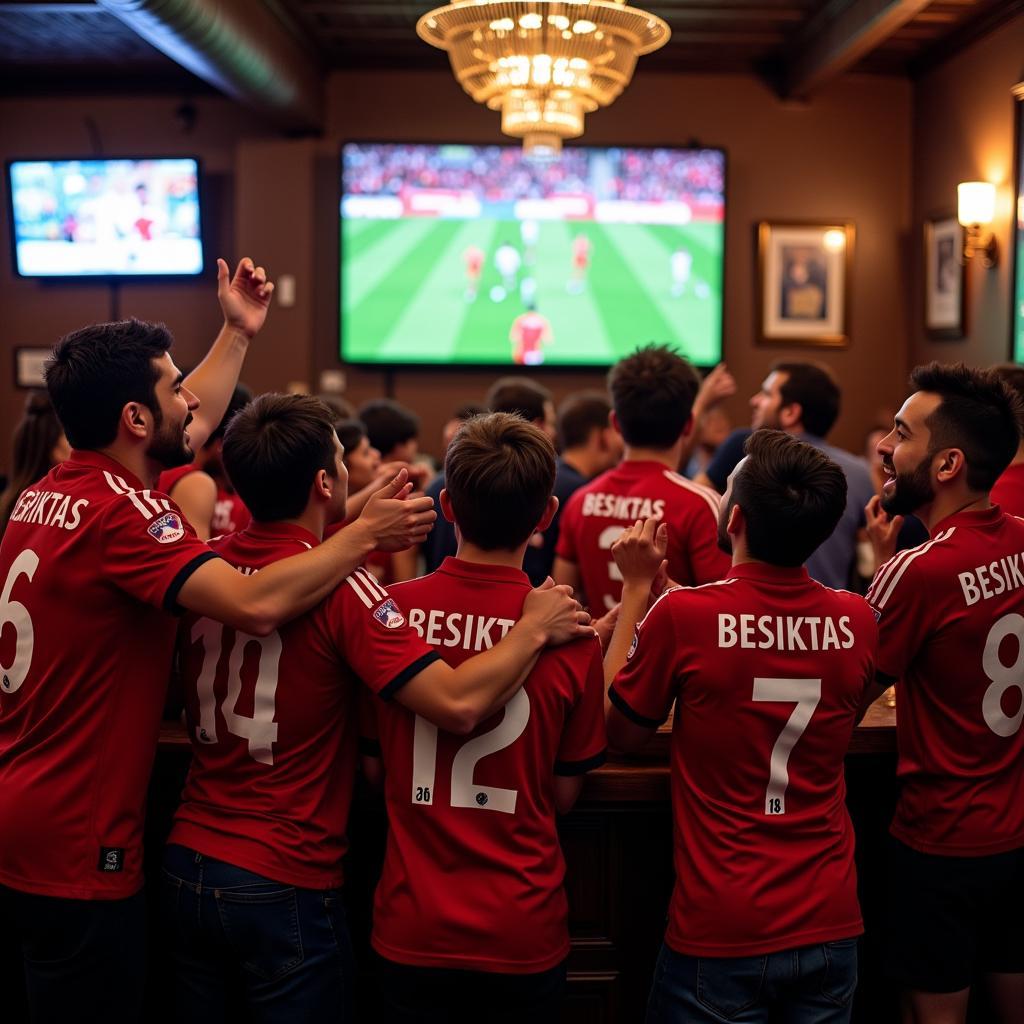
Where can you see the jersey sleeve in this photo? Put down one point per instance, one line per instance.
(899, 595)
(568, 522)
(584, 743)
(645, 686)
(149, 548)
(374, 636)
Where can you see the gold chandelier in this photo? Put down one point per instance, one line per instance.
(543, 64)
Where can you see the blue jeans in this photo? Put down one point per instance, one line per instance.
(239, 940)
(810, 985)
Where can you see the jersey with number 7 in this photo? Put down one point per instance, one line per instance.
(768, 669)
(473, 869)
(273, 719)
(951, 630)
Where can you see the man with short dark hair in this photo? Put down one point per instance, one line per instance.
(253, 865)
(951, 627)
(653, 392)
(470, 917)
(96, 563)
(803, 399)
(521, 397)
(392, 428)
(764, 913)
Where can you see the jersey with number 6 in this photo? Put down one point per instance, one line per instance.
(599, 511)
(473, 870)
(768, 670)
(273, 720)
(951, 626)
(91, 564)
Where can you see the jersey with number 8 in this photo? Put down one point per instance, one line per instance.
(473, 871)
(273, 719)
(951, 626)
(768, 669)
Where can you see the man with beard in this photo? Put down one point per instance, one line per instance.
(951, 631)
(764, 914)
(95, 566)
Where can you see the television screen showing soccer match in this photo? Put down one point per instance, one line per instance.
(106, 218)
(1018, 260)
(457, 254)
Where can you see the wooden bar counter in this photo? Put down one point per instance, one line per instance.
(618, 849)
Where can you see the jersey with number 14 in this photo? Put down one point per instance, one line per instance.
(273, 719)
(598, 512)
(768, 670)
(951, 626)
(473, 870)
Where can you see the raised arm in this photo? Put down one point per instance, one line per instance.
(244, 300)
(259, 603)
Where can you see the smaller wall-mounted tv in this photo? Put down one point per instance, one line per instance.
(478, 255)
(114, 218)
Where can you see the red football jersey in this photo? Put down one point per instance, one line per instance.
(473, 870)
(1008, 492)
(273, 719)
(229, 512)
(600, 510)
(952, 632)
(92, 562)
(768, 670)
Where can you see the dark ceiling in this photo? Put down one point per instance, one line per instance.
(51, 47)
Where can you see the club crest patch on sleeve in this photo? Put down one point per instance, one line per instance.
(387, 614)
(167, 529)
(632, 646)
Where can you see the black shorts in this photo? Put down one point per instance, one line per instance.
(953, 919)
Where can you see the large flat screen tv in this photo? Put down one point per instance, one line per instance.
(479, 255)
(1017, 318)
(114, 218)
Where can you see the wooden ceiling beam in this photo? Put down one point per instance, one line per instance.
(841, 36)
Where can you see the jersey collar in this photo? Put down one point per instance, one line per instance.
(768, 573)
(97, 460)
(475, 571)
(981, 517)
(280, 531)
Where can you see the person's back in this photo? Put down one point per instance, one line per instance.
(599, 511)
(764, 860)
(955, 639)
(653, 391)
(473, 871)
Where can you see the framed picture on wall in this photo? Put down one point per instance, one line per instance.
(29, 363)
(803, 278)
(1017, 317)
(943, 278)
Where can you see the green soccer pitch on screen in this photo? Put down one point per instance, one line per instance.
(479, 255)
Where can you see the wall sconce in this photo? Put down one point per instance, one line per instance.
(976, 208)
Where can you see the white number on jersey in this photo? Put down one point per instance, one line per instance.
(805, 693)
(1003, 677)
(17, 614)
(609, 535)
(261, 729)
(464, 793)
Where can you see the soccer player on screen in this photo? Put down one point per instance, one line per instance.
(530, 331)
(653, 392)
(768, 671)
(96, 563)
(951, 628)
(580, 263)
(253, 866)
(473, 258)
(470, 917)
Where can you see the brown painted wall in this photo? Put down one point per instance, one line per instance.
(846, 154)
(963, 131)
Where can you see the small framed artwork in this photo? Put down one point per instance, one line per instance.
(943, 278)
(804, 283)
(29, 364)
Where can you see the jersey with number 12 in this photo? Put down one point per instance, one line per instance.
(768, 670)
(473, 869)
(273, 719)
(951, 627)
